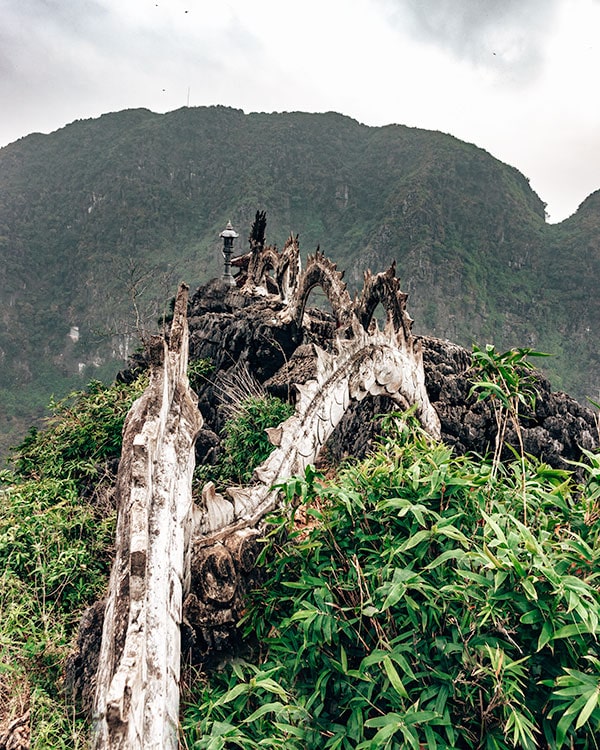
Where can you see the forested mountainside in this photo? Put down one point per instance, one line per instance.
(101, 219)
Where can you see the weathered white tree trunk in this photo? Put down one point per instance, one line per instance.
(137, 694)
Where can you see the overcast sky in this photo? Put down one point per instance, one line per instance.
(519, 78)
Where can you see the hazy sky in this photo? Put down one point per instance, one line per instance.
(519, 78)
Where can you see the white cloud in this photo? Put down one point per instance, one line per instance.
(516, 78)
(493, 34)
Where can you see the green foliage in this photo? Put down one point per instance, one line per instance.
(55, 553)
(49, 539)
(198, 371)
(417, 608)
(83, 431)
(506, 376)
(54, 562)
(507, 380)
(246, 444)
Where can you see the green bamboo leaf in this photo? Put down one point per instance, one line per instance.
(442, 697)
(588, 709)
(529, 588)
(453, 533)
(370, 610)
(417, 717)
(531, 617)
(389, 719)
(343, 660)
(471, 575)
(287, 729)
(546, 635)
(270, 686)
(222, 728)
(274, 707)
(568, 631)
(394, 677)
(487, 389)
(451, 554)
(567, 719)
(396, 592)
(519, 568)
(232, 694)
(399, 659)
(493, 559)
(494, 525)
(415, 539)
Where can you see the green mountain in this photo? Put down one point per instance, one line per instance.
(101, 219)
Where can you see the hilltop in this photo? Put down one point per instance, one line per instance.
(101, 219)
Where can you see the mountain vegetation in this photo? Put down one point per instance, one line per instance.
(418, 600)
(57, 519)
(415, 598)
(101, 219)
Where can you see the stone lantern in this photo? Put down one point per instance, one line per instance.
(228, 234)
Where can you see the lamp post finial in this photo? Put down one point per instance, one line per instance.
(228, 235)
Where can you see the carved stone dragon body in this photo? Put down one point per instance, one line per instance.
(178, 560)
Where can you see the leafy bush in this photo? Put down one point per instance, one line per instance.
(246, 444)
(418, 609)
(507, 381)
(198, 370)
(83, 431)
(54, 554)
(54, 562)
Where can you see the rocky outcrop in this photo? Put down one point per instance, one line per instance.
(169, 549)
(555, 430)
(252, 338)
(296, 352)
(324, 364)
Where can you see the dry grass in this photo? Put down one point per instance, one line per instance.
(236, 386)
(14, 708)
